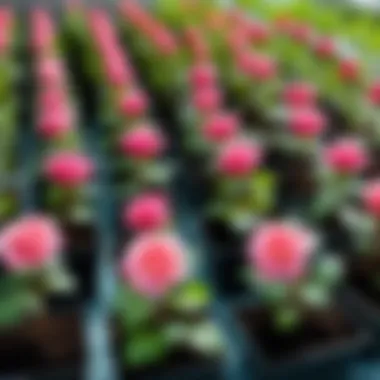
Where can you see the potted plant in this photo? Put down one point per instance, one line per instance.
(37, 333)
(297, 322)
(163, 321)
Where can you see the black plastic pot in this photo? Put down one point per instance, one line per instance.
(320, 347)
(46, 347)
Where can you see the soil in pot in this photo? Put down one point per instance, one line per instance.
(44, 344)
(323, 333)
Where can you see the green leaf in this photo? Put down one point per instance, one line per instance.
(191, 297)
(263, 187)
(286, 319)
(145, 349)
(134, 309)
(315, 295)
(329, 270)
(206, 338)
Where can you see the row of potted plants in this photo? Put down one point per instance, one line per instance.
(326, 199)
(64, 186)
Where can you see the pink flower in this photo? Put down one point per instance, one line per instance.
(207, 100)
(349, 70)
(280, 251)
(68, 169)
(51, 98)
(202, 75)
(239, 157)
(325, 48)
(30, 243)
(134, 103)
(259, 32)
(221, 127)
(143, 142)
(371, 197)
(55, 122)
(300, 94)
(374, 93)
(346, 156)
(257, 66)
(147, 212)
(301, 33)
(154, 263)
(306, 122)
(50, 72)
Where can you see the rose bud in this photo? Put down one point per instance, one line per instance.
(374, 93)
(147, 212)
(68, 169)
(154, 263)
(306, 122)
(207, 100)
(259, 32)
(300, 94)
(280, 251)
(30, 243)
(325, 48)
(50, 72)
(143, 142)
(349, 70)
(134, 104)
(239, 157)
(55, 122)
(203, 75)
(262, 67)
(371, 197)
(51, 98)
(165, 42)
(346, 156)
(221, 127)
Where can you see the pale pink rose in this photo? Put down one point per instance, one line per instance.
(143, 142)
(346, 156)
(257, 66)
(147, 212)
(55, 122)
(349, 70)
(306, 122)
(154, 263)
(325, 48)
(280, 251)
(30, 243)
(42, 30)
(221, 127)
(300, 94)
(374, 93)
(134, 103)
(371, 197)
(239, 157)
(50, 72)
(68, 169)
(207, 100)
(51, 98)
(202, 75)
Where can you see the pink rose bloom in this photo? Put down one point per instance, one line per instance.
(257, 66)
(55, 122)
(143, 142)
(68, 169)
(239, 157)
(165, 42)
(325, 48)
(221, 127)
(349, 70)
(258, 32)
(134, 103)
(50, 72)
(154, 263)
(147, 212)
(306, 122)
(371, 197)
(207, 100)
(300, 94)
(374, 93)
(30, 243)
(346, 156)
(202, 75)
(280, 251)
(51, 97)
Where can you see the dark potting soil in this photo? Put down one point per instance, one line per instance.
(362, 274)
(181, 364)
(46, 343)
(317, 333)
